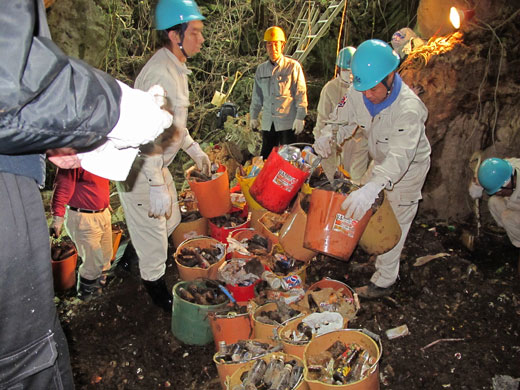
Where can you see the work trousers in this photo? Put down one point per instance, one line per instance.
(273, 138)
(33, 348)
(92, 235)
(506, 218)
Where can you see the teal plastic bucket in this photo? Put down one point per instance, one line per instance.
(190, 322)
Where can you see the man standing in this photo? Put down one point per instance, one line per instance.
(354, 150)
(499, 177)
(48, 102)
(148, 195)
(392, 117)
(81, 200)
(280, 92)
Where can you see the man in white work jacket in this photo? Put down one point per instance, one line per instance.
(392, 117)
(354, 154)
(148, 195)
(280, 93)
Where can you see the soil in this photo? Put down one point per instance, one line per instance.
(467, 302)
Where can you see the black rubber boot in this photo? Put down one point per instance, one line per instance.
(88, 288)
(159, 293)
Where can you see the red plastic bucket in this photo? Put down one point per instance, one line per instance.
(277, 183)
(328, 230)
(222, 233)
(242, 293)
(212, 196)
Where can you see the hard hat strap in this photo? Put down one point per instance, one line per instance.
(184, 27)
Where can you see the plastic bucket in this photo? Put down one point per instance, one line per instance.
(234, 379)
(261, 330)
(246, 234)
(64, 272)
(221, 233)
(293, 231)
(191, 229)
(245, 185)
(338, 286)
(116, 240)
(192, 273)
(382, 232)
(277, 183)
(242, 294)
(321, 343)
(289, 347)
(230, 328)
(328, 230)
(225, 370)
(264, 230)
(190, 322)
(212, 196)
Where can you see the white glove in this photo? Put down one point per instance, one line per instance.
(141, 119)
(359, 202)
(201, 159)
(298, 126)
(56, 225)
(253, 124)
(160, 202)
(322, 146)
(475, 190)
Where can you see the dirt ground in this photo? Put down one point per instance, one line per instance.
(467, 301)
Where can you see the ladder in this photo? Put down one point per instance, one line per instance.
(310, 26)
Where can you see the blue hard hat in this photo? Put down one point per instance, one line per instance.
(169, 13)
(372, 62)
(494, 173)
(345, 56)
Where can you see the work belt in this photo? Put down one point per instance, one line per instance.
(80, 210)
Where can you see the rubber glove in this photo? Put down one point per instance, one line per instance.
(322, 146)
(359, 202)
(56, 225)
(141, 119)
(475, 190)
(253, 124)
(298, 126)
(200, 158)
(160, 202)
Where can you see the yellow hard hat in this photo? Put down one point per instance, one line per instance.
(274, 33)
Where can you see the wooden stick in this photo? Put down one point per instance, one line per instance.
(438, 341)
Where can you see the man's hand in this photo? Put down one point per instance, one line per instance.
(56, 225)
(359, 202)
(200, 158)
(475, 190)
(298, 125)
(253, 124)
(64, 158)
(322, 146)
(160, 202)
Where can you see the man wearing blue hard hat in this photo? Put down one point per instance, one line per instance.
(149, 196)
(354, 151)
(392, 117)
(499, 178)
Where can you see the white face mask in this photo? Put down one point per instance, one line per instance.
(345, 75)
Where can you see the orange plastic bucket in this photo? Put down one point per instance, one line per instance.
(212, 196)
(64, 272)
(230, 328)
(222, 233)
(321, 343)
(277, 183)
(117, 233)
(328, 230)
(186, 230)
(247, 234)
(292, 233)
(235, 378)
(192, 273)
(290, 347)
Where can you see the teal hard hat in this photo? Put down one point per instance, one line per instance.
(169, 13)
(345, 56)
(372, 62)
(494, 173)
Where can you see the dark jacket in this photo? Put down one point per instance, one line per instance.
(47, 100)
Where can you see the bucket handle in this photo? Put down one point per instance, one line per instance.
(377, 339)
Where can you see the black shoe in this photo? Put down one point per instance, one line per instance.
(128, 262)
(159, 293)
(88, 288)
